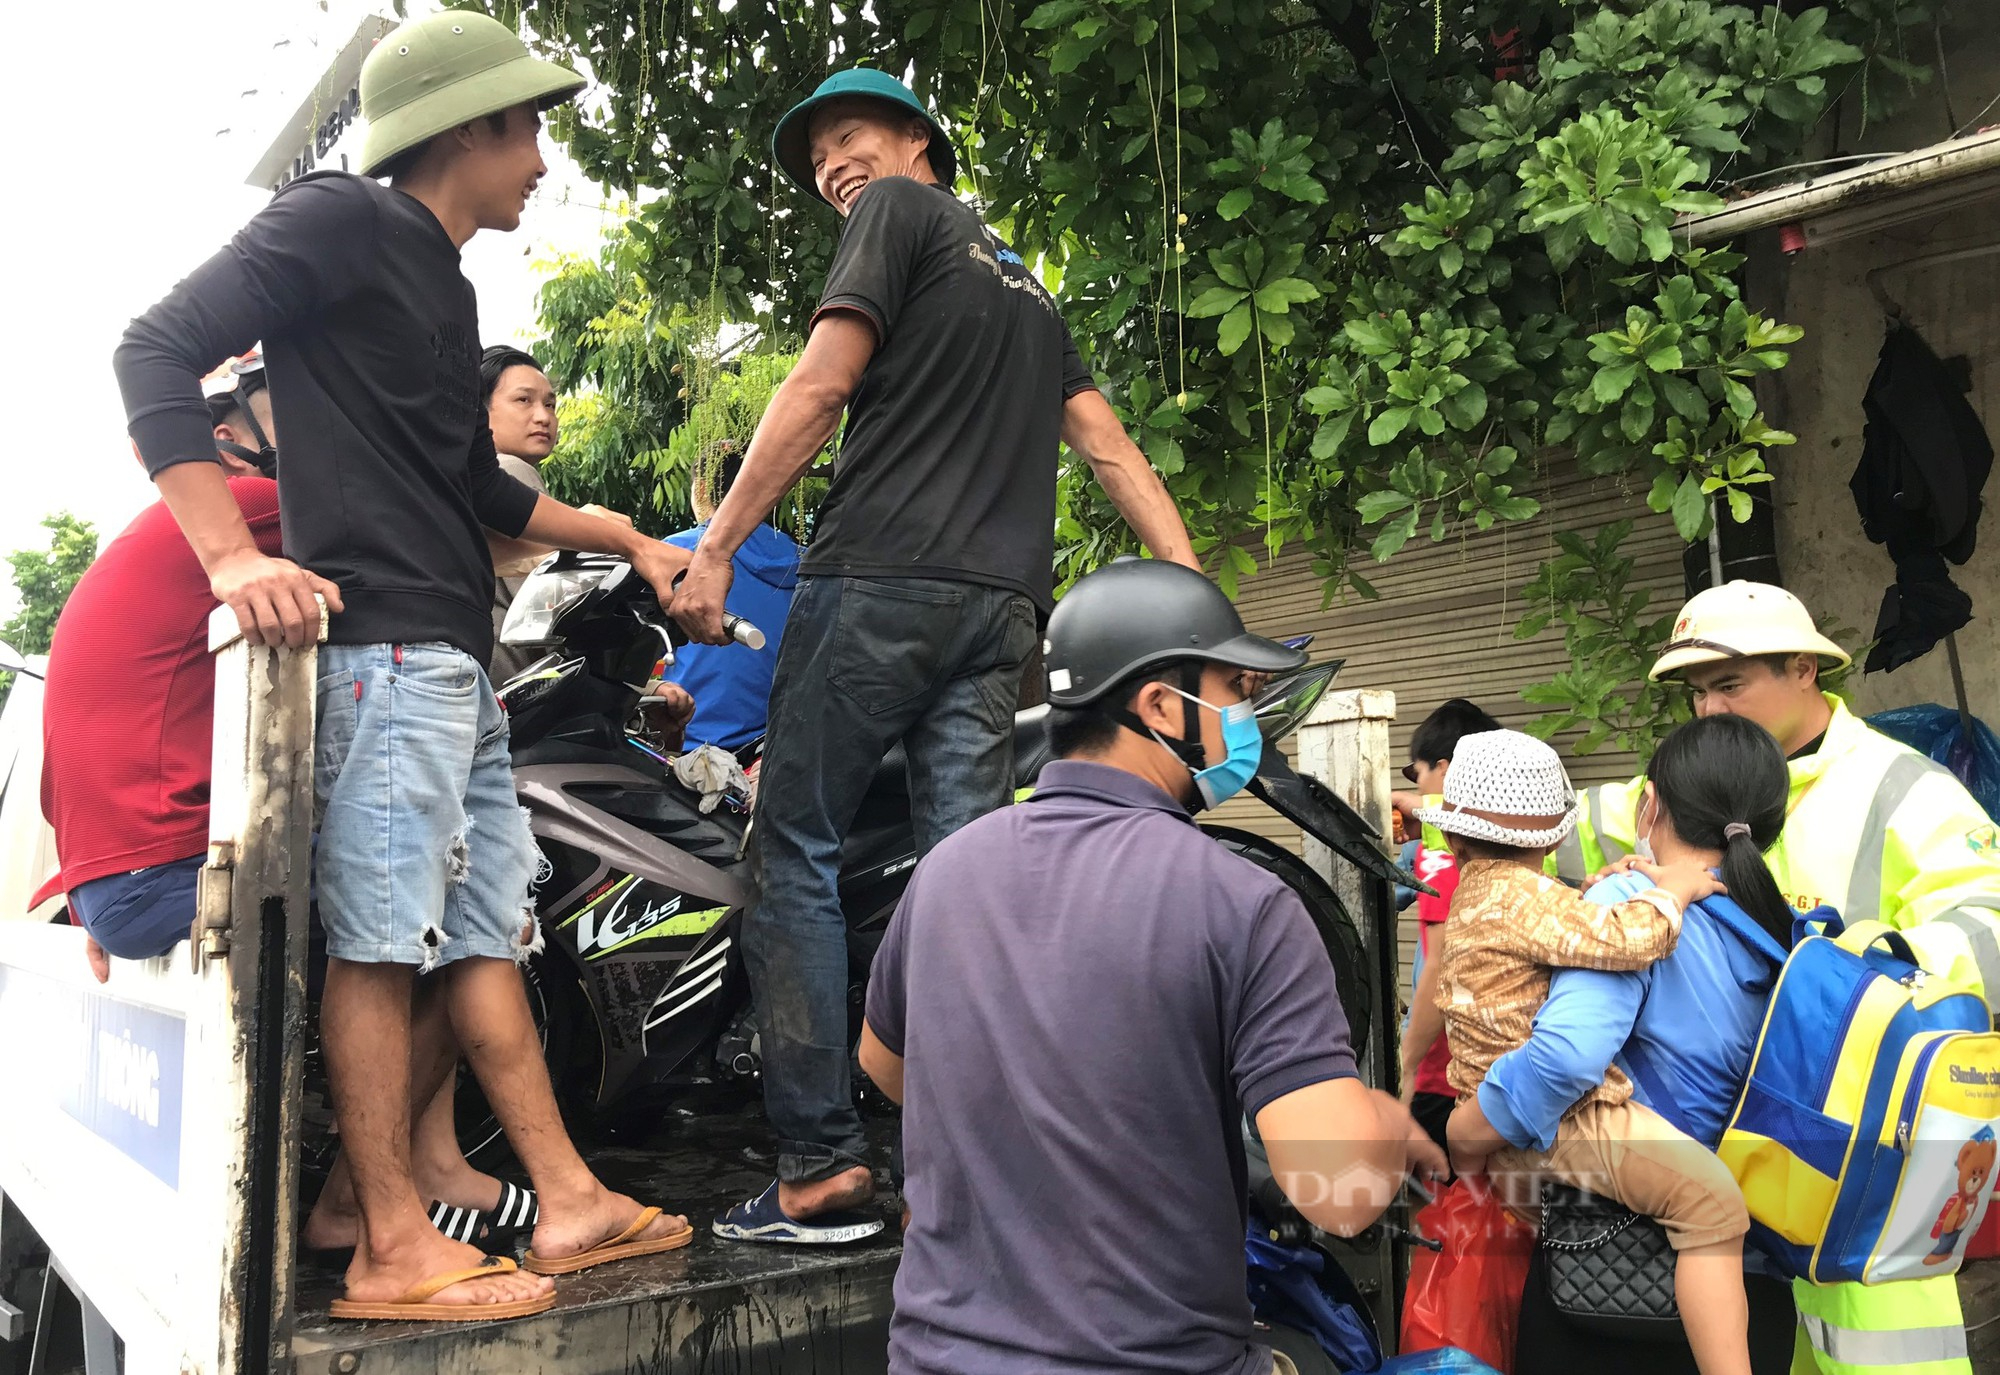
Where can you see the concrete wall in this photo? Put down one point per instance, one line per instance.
(1956, 307)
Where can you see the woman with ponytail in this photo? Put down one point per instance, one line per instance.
(1683, 1030)
(1716, 792)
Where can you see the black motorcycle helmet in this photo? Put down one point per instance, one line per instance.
(227, 392)
(1136, 616)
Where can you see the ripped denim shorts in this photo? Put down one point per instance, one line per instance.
(424, 856)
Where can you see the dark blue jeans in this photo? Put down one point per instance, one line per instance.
(865, 663)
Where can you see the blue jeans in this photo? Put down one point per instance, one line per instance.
(866, 663)
(424, 855)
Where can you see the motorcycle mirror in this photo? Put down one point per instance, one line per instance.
(13, 661)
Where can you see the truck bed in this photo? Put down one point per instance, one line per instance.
(713, 1306)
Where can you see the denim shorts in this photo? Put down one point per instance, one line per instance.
(424, 855)
(140, 915)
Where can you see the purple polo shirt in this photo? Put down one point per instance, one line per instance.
(1088, 995)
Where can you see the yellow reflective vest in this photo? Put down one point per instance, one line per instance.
(1879, 832)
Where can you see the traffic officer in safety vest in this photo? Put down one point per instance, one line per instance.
(1876, 830)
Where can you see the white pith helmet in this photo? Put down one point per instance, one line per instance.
(1740, 620)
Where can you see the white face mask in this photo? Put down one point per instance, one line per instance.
(1642, 842)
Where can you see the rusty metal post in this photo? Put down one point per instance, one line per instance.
(252, 923)
(1345, 744)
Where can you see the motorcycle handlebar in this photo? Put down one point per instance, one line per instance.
(735, 627)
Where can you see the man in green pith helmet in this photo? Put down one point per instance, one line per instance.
(930, 570)
(424, 861)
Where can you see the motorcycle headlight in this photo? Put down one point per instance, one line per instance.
(531, 620)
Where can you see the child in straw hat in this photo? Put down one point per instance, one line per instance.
(1507, 802)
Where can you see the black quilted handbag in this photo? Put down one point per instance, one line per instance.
(1609, 1270)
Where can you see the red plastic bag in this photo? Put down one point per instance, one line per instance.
(1468, 1295)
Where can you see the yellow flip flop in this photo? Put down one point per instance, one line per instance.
(415, 1305)
(620, 1247)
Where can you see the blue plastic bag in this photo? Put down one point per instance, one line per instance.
(1444, 1361)
(1936, 731)
(1295, 1287)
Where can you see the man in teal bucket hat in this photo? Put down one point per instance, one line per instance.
(920, 598)
(424, 864)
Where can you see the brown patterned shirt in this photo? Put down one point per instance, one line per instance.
(1509, 927)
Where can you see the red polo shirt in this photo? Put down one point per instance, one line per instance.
(129, 706)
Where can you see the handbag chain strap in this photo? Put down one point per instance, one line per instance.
(1592, 1243)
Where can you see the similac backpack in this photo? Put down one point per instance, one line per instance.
(1864, 1141)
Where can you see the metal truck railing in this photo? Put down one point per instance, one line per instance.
(148, 1126)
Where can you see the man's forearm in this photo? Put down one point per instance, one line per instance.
(1092, 429)
(1142, 499)
(198, 495)
(796, 426)
(564, 527)
(1336, 1152)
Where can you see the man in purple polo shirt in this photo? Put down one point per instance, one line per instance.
(1082, 996)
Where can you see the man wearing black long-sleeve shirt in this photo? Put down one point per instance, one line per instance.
(423, 859)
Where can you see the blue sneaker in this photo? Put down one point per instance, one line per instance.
(761, 1219)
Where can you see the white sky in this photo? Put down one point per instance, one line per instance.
(127, 170)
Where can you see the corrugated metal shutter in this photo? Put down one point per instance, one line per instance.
(1443, 626)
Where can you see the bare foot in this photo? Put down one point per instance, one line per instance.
(569, 1228)
(461, 1186)
(383, 1275)
(335, 1222)
(839, 1193)
(331, 1227)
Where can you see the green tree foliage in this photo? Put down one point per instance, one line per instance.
(43, 579)
(730, 398)
(647, 390)
(615, 356)
(1350, 272)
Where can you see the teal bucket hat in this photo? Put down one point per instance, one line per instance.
(793, 150)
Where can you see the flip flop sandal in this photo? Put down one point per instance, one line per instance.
(761, 1219)
(493, 1230)
(620, 1247)
(415, 1305)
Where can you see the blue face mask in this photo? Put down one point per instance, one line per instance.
(1242, 739)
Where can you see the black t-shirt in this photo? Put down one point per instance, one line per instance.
(948, 465)
(371, 342)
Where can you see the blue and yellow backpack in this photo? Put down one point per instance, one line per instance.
(1864, 1140)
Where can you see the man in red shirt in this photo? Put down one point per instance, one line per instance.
(130, 701)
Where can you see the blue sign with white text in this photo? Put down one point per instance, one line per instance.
(127, 1077)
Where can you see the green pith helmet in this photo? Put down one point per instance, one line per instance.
(792, 146)
(444, 70)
